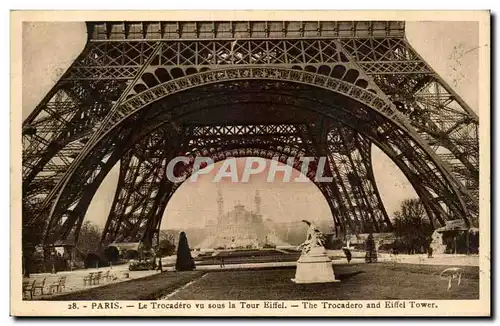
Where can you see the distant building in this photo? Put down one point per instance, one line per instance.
(128, 246)
(382, 240)
(240, 228)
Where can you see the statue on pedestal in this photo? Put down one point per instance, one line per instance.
(314, 238)
(314, 266)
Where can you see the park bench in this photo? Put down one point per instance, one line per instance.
(88, 279)
(93, 278)
(97, 277)
(58, 285)
(39, 285)
(112, 276)
(28, 288)
(105, 275)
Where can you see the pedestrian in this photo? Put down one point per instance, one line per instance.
(160, 267)
(348, 254)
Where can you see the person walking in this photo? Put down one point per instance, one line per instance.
(348, 254)
(429, 252)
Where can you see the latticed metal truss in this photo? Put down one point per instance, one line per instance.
(222, 142)
(142, 93)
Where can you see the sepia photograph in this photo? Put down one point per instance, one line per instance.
(253, 166)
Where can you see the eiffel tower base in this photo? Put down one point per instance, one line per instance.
(314, 267)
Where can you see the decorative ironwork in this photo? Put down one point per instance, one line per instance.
(139, 93)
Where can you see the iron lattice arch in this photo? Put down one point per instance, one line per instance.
(141, 93)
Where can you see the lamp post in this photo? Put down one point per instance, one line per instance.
(53, 264)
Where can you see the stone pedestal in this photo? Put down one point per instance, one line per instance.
(314, 267)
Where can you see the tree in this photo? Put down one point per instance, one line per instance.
(92, 260)
(165, 248)
(89, 238)
(185, 261)
(166, 245)
(170, 235)
(112, 254)
(412, 226)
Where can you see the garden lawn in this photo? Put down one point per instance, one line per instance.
(145, 288)
(379, 281)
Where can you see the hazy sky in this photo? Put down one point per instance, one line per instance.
(449, 47)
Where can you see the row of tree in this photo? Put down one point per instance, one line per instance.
(90, 236)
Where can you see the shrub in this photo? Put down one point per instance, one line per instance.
(142, 265)
(185, 261)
